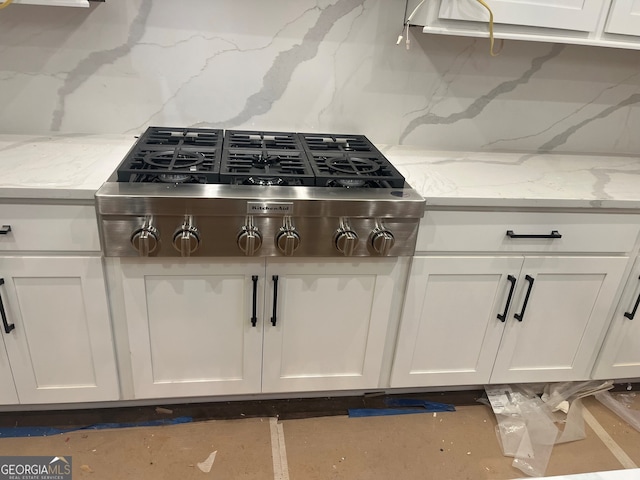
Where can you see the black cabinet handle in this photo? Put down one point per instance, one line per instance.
(254, 318)
(503, 316)
(5, 229)
(7, 327)
(553, 234)
(632, 314)
(275, 299)
(520, 316)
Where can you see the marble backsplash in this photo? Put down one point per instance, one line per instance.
(307, 65)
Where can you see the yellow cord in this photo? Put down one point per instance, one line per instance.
(493, 54)
(5, 4)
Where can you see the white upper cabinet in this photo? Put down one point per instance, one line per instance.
(624, 17)
(606, 23)
(55, 3)
(581, 15)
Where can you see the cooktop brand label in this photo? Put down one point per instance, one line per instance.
(270, 208)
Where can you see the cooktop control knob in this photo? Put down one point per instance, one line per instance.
(288, 239)
(249, 238)
(186, 240)
(345, 239)
(145, 239)
(381, 240)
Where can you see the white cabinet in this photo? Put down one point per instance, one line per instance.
(8, 394)
(449, 332)
(55, 3)
(624, 17)
(565, 317)
(191, 332)
(608, 23)
(331, 324)
(463, 322)
(620, 354)
(502, 297)
(61, 348)
(579, 15)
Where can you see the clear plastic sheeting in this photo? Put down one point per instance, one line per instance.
(621, 408)
(533, 418)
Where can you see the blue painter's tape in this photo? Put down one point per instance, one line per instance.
(7, 432)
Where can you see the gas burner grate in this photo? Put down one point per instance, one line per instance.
(173, 155)
(170, 166)
(262, 140)
(210, 156)
(321, 142)
(182, 137)
(351, 170)
(265, 168)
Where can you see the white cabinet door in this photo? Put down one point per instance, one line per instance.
(620, 354)
(450, 330)
(61, 349)
(624, 17)
(580, 15)
(331, 323)
(8, 394)
(566, 314)
(190, 328)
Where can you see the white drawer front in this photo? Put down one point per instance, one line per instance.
(49, 228)
(487, 232)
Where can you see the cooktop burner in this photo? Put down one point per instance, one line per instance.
(265, 168)
(351, 170)
(337, 143)
(246, 157)
(173, 155)
(262, 140)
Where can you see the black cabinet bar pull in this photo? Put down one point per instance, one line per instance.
(5, 229)
(553, 234)
(520, 316)
(632, 313)
(7, 327)
(503, 316)
(275, 299)
(254, 318)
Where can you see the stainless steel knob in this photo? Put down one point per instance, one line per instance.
(381, 241)
(186, 240)
(288, 240)
(345, 239)
(145, 240)
(346, 242)
(249, 240)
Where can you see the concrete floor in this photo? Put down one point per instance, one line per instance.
(452, 445)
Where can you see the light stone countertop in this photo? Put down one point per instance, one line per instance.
(74, 166)
(52, 167)
(495, 180)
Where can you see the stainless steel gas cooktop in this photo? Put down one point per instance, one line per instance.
(205, 192)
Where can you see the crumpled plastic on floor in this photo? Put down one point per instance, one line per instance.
(529, 424)
(621, 408)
